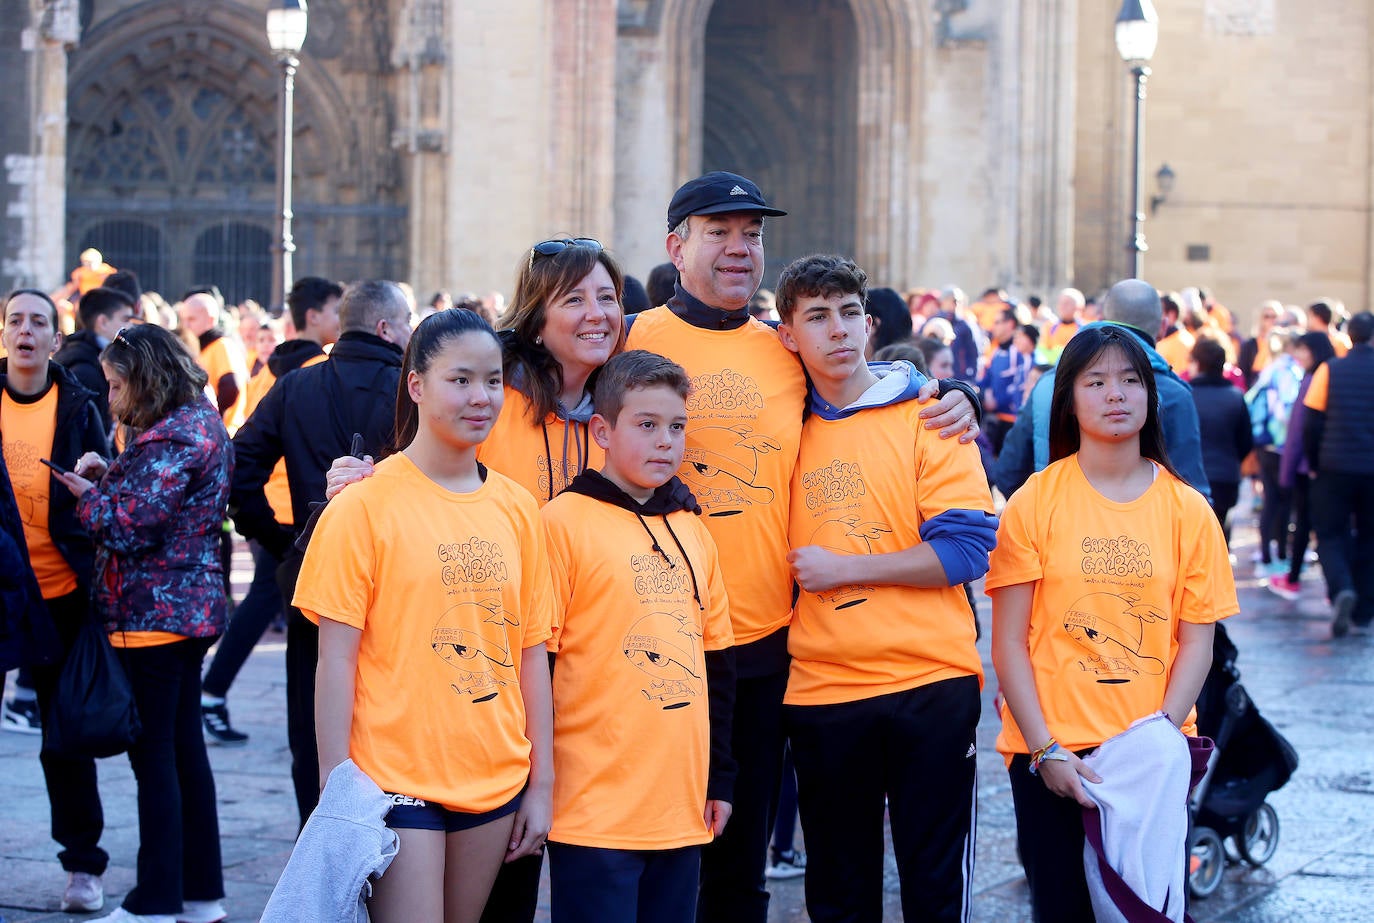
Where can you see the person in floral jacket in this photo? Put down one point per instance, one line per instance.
(155, 516)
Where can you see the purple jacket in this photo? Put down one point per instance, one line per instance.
(156, 519)
(1293, 461)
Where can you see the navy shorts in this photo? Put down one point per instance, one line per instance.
(409, 813)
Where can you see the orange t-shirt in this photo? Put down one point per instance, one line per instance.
(632, 735)
(86, 278)
(225, 357)
(277, 489)
(1112, 583)
(28, 431)
(864, 485)
(1177, 350)
(1318, 390)
(744, 426)
(1059, 336)
(448, 589)
(988, 312)
(534, 455)
(133, 640)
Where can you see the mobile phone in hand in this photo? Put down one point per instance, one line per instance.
(54, 466)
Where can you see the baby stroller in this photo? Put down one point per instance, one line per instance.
(1251, 760)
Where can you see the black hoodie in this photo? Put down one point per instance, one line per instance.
(673, 497)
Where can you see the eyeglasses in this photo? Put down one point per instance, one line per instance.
(555, 247)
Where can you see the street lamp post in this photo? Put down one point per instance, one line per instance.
(286, 27)
(1137, 33)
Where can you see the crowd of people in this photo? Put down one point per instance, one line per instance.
(681, 533)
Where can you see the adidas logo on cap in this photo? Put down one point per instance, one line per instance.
(738, 191)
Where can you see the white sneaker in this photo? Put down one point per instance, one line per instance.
(84, 893)
(202, 912)
(123, 916)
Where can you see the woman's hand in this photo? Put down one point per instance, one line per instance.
(91, 466)
(74, 482)
(1062, 778)
(952, 415)
(532, 822)
(345, 471)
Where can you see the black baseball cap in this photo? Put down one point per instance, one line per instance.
(715, 193)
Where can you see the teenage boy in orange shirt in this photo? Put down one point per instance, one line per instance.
(645, 680)
(887, 521)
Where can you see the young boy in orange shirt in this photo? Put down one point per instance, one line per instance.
(644, 685)
(887, 521)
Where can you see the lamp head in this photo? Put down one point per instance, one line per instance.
(286, 25)
(1137, 31)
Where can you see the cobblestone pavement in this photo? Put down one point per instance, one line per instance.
(1318, 692)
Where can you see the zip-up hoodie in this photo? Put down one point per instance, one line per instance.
(961, 539)
(673, 497)
(79, 430)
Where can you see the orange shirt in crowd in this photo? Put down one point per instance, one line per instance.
(1113, 582)
(1318, 391)
(448, 589)
(533, 455)
(744, 426)
(988, 312)
(631, 740)
(86, 278)
(1055, 339)
(1177, 350)
(222, 357)
(28, 436)
(864, 485)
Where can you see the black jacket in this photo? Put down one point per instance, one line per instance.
(79, 430)
(1341, 438)
(1222, 415)
(309, 418)
(291, 355)
(27, 634)
(80, 355)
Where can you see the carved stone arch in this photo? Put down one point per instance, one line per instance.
(174, 121)
(220, 46)
(892, 36)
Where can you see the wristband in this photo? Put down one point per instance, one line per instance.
(1051, 751)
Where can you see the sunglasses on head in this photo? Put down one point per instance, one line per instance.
(555, 247)
(120, 338)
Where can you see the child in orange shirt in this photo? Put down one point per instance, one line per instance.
(430, 584)
(1107, 578)
(886, 521)
(645, 682)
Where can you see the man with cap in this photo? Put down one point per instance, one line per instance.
(743, 435)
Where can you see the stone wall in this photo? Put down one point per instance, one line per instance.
(1264, 110)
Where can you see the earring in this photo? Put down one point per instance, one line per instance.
(538, 341)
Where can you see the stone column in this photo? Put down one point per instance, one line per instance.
(421, 59)
(34, 40)
(1048, 129)
(582, 111)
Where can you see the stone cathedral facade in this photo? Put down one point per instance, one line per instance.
(977, 142)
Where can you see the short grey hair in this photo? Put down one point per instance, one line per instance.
(369, 301)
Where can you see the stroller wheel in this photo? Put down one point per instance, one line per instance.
(1260, 836)
(1206, 862)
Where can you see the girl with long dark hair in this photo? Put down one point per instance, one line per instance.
(1108, 575)
(431, 586)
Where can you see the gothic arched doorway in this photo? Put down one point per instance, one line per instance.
(781, 107)
(172, 143)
